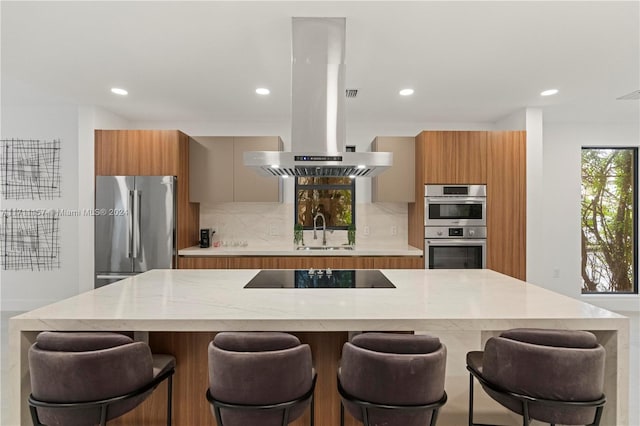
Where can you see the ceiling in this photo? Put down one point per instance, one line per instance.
(201, 61)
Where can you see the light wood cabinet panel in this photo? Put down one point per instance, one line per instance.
(218, 173)
(302, 262)
(396, 184)
(203, 262)
(188, 220)
(190, 407)
(415, 211)
(399, 262)
(506, 203)
(454, 157)
(152, 153)
(247, 184)
(136, 152)
(211, 169)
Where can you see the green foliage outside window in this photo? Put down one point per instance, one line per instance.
(334, 197)
(609, 179)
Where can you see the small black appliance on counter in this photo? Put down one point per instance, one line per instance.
(205, 237)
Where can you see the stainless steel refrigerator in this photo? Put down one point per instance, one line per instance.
(135, 225)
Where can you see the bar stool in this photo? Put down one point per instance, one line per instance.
(554, 376)
(392, 379)
(89, 378)
(259, 378)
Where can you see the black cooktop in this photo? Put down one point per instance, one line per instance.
(320, 278)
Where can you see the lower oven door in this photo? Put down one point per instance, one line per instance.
(455, 254)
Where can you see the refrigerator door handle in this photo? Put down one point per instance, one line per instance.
(130, 227)
(136, 224)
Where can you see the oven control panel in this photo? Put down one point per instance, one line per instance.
(455, 232)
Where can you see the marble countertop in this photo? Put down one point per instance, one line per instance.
(463, 306)
(204, 300)
(289, 250)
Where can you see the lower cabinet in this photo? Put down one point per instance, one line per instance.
(302, 262)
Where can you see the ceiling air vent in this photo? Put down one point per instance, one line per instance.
(351, 93)
(635, 95)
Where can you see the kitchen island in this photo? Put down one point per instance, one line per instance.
(179, 311)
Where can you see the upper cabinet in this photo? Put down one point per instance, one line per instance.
(138, 152)
(218, 174)
(396, 184)
(454, 157)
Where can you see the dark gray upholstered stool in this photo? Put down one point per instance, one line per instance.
(259, 378)
(88, 378)
(554, 376)
(392, 379)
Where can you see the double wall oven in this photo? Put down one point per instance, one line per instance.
(455, 226)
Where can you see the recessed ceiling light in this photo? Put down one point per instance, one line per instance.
(352, 176)
(285, 176)
(406, 92)
(275, 166)
(119, 91)
(262, 91)
(361, 166)
(549, 92)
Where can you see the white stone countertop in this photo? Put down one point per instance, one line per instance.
(289, 250)
(202, 299)
(469, 304)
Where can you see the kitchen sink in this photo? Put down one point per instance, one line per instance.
(324, 248)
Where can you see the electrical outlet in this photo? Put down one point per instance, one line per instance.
(556, 273)
(394, 230)
(365, 231)
(214, 229)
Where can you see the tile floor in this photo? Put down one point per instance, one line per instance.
(634, 362)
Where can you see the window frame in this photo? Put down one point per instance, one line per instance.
(634, 150)
(321, 187)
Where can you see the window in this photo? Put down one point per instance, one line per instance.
(334, 197)
(609, 220)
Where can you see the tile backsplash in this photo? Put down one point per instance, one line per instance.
(264, 224)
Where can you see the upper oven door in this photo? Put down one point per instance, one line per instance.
(450, 211)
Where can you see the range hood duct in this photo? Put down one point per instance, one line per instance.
(318, 110)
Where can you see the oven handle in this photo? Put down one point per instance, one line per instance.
(456, 242)
(465, 200)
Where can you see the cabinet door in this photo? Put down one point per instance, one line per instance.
(247, 184)
(136, 152)
(211, 169)
(396, 184)
(506, 203)
(455, 157)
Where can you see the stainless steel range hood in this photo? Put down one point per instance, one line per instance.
(318, 110)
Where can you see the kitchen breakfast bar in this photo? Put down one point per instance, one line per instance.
(179, 312)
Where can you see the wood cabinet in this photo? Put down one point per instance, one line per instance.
(152, 153)
(506, 203)
(218, 174)
(497, 159)
(397, 184)
(302, 262)
(455, 157)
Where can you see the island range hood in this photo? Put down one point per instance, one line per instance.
(318, 110)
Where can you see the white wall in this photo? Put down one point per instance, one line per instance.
(25, 290)
(559, 247)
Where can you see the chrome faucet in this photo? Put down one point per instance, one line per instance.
(324, 228)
